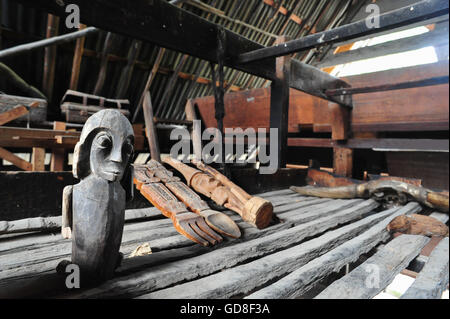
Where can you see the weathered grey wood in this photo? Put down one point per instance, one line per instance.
(54, 223)
(372, 276)
(301, 280)
(36, 114)
(242, 279)
(433, 278)
(29, 225)
(440, 217)
(168, 274)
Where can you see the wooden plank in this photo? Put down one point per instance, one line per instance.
(12, 114)
(433, 278)
(340, 121)
(384, 266)
(168, 26)
(171, 273)
(37, 114)
(343, 161)
(243, 279)
(442, 217)
(58, 154)
(303, 279)
(38, 159)
(15, 160)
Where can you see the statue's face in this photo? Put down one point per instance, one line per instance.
(110, 153)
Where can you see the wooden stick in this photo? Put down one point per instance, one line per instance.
(150, 129)
(50, 56)
(15, 160)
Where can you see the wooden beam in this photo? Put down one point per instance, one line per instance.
(13, 114)
(388, 262)
(38, 159)
(58, 154)
(303, 279)
(171, 27)
(15, 160)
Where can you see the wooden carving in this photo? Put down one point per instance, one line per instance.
(172, 197)
(418, 225)
(388, 192)
(212, 184)
(93, 209)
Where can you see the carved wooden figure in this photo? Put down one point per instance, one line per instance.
(209, 182)
(93, 209)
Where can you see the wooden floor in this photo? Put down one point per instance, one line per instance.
(310, 240)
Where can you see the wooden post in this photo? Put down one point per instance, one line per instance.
(340, 125)
(77, 56)
(343, 161)
(50, 57)
(196, 133)
(58, 154)
(38, 159)
(279, 103)
(150, 129)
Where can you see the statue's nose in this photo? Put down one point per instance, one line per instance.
(116, 155)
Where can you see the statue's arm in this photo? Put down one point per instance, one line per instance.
(66, 225)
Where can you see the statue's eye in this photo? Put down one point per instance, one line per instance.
(104, 141)
(127, 148)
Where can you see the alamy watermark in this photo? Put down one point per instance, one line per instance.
(234, 139)
(373, 19)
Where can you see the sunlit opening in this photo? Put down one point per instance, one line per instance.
(392, 61)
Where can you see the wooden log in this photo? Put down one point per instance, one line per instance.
(383, 266)
(171, 273)
(15, 160)
(433, 278)
(242, 279)
(301, 280)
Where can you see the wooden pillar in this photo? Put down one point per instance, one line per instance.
(279, 103)
(343, 161)
(58, 154)
(340, 125)
(38, 159)
(50, 57)
(76, 64)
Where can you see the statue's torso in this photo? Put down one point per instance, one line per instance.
(98, 218)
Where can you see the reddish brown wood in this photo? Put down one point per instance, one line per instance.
(343, 161)
(58, 154)
(418, 225)
(416, 109)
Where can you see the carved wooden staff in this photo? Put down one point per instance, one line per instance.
(209, 182)
(148, 180)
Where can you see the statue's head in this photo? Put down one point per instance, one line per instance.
(105, 147)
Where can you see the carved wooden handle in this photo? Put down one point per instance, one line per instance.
(163, 199)
(187, 196)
